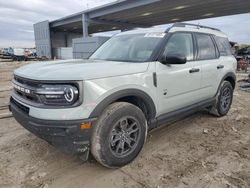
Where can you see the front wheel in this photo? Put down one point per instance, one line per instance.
(223, 100)
(118, 135)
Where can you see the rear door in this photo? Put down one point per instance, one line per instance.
(208, 58)
(178, 85)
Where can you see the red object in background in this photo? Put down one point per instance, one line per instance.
(242, 64)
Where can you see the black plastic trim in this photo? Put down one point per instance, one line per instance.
(229, 74)
(180, 113)
(196, 52)
(159, 48)
(218, 55)
(125, 93)
(155, 79)
(66, 135)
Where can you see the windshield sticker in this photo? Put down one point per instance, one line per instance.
(157, 35)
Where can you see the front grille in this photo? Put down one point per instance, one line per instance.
(26, 84)
(45, 93)
(20, 106)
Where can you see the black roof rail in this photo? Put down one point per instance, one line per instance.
(180, 24)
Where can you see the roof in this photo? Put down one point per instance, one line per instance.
(144, 30)
(145, 13)
(197, 29)
(176, 27)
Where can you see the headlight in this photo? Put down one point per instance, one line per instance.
(59, 95)
(70, 94)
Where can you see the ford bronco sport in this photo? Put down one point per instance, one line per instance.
(136, 81)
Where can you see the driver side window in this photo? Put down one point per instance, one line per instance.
(180, 43)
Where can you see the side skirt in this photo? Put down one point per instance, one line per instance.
(179, 114)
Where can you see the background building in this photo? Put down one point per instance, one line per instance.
(69, 37)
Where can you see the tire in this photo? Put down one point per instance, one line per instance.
(15, 58)
(224, 100)
(119, 135)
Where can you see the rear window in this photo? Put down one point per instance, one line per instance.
(206, 47)
(223, 46)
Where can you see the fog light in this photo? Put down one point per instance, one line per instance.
(85, 126)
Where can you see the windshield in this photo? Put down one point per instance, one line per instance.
(128, 48)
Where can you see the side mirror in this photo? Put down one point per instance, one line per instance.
(174, 59)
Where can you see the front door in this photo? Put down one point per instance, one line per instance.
(178, 85)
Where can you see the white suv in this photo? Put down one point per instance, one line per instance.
(136, 81)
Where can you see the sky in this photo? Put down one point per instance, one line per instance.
(18, 16)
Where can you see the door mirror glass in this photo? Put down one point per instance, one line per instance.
(174, 59)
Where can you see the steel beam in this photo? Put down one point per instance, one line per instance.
(115, 23)
(85, 25)
(66, 21)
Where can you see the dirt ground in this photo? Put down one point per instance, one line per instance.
(199, 151)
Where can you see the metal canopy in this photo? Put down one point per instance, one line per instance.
(127, 14)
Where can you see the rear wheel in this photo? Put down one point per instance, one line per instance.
(118, 135)
(223, 100)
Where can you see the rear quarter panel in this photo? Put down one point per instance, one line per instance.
(230, 66)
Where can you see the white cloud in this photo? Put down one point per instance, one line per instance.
(26, 30)
(237, 27)
(17, 17)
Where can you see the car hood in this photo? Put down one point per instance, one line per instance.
(78, 69)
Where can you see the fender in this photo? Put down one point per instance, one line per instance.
(125, 93)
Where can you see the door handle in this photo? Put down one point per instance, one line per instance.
(194, 70)
(220, 66)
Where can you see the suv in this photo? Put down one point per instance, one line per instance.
(136, 81)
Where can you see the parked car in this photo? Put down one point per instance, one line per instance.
(10, 51)
(18, 54)
(136, 81)
(4, 51)
(30, 52)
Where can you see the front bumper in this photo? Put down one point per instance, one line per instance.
(65, 135)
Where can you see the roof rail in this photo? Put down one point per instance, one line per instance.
(180, 24)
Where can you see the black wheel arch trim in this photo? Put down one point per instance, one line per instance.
(125, 93)
(228, 75)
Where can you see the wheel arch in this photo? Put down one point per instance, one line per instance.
(230, 77)
(134, 96)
